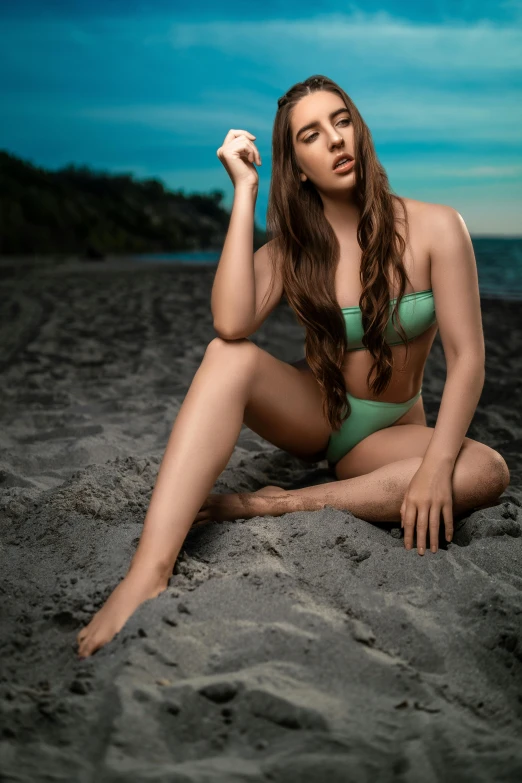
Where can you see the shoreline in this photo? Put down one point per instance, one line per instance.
(15, 266)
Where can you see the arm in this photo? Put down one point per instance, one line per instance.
(457, 304)
(245, 290)
(233, 291)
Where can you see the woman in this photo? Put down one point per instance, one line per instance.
(365, 271)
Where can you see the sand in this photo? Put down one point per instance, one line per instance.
(306, 647)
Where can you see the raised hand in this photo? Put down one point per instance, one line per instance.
(238, 154)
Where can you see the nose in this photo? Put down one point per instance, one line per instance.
(335, 138)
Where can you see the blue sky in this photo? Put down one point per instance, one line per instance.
(152, 89)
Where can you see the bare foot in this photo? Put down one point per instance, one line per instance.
(132, 591)
(227, 507)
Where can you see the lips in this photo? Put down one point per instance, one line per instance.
(345, 167)
(341, 156)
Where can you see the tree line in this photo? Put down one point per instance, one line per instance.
(82, 212)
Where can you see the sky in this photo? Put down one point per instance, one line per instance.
(152, 89)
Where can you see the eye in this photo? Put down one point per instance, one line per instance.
(312, 135)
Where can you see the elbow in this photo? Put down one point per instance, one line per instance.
(227, 334)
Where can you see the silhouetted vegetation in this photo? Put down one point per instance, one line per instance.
(76, 210)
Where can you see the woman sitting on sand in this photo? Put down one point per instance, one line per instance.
(365, 273)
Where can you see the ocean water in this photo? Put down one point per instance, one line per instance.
(499, 264)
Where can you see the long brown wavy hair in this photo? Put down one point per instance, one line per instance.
(309, 250)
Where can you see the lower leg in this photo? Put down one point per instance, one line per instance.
(200, 445)
(376, 496)
(199, 448)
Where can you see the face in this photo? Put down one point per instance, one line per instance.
(317, 146)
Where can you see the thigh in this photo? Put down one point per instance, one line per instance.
(284, 404)
(394, 443)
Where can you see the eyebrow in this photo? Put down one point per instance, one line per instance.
(315, 123)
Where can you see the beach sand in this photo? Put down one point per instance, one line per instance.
(307, 647)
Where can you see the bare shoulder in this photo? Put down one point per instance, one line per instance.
(434, 218)
(416, 213)
(434, 222)
(422, 211)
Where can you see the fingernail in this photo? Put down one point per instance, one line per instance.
(421, 551)
(434, 549)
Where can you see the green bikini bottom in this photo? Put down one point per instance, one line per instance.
(366, 416)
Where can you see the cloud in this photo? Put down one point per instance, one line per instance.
(392, 115)
(363, 38)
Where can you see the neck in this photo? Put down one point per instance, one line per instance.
(343, 216)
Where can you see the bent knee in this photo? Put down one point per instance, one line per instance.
(500, 470)
(242, 346)
(230, 352)
(495, 470)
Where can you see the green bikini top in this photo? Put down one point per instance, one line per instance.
(417, 312)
